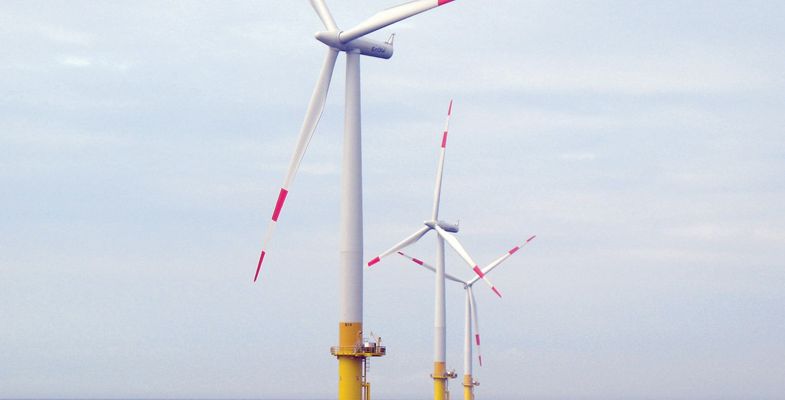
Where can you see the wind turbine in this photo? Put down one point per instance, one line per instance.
(443, 230)
(470, 316)
(351, 376)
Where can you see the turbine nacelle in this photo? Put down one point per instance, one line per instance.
(447, 226)
(353, 39)
(366, 47)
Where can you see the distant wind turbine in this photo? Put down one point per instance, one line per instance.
(444, 232)
(470, 316)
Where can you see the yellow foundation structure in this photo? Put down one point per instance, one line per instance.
(352, 353)
(440, 377)
(468, 387)
(350, 367)
(440, 381)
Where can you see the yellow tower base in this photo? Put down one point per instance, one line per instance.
(352, 354)
(468, 387)
(440, 381)
(350, 367)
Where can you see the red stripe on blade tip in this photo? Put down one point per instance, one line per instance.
(496, 291)
(530, 239)
(514, 249)
(477, 338)
(374, 261)
(418, 261)
(480, 357)
(478, 271)
(279, 204)
(449, 109)
(259, 266)
(443, 2)
(444, 139)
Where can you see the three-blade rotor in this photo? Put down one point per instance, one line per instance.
(468, 285)
(433, 223)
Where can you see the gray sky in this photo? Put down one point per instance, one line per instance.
(142, 145)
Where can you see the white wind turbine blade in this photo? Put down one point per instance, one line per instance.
(473, 305)
(324, 14)
(388, 17)
(501, 259)
(400, 245)
(456, 245)
(437, 190)
(430, 267)
(312, 116)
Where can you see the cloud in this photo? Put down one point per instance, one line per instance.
(319, 168)
(678, 71)
(76, 62)
(729, 233)
(62, 35)
(578, 156)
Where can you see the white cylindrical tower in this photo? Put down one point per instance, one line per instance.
(439, 327)
(351, 252)
(468, 380)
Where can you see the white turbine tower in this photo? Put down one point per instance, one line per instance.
(443, 229)
(470, 317)
(352, 42)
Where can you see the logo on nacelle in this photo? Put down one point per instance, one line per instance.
(378, 49)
